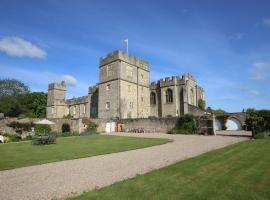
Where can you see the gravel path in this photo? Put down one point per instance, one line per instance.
(67, 178)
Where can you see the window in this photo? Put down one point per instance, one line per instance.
(109, 70)
(169, 96)
(142, 76)
(108, 105)
(108, 87)
(131, 105)
(129, 71)
(142, 89)
(84, 109)
(152, 98)
(141, 99)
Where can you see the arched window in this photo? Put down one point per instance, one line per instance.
(152, 98)
(169, 96)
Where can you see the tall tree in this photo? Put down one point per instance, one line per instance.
(12, 87)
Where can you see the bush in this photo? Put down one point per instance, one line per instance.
(13, 138)
(20, 127)
(91, 126)
(185, 125)
(65, 128)
(43, 139)
(65, 134)
(42, 128)
(6, 139)
(258, 121)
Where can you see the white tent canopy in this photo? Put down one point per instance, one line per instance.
(44, 121)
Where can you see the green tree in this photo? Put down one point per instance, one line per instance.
(201, 104)
(35, 104)
(12, 87)
(17, 101)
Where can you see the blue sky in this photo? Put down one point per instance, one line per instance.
(224, 44)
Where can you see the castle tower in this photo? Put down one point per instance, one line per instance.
(56, 105)
(123, 87)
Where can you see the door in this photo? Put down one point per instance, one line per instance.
(108, 127)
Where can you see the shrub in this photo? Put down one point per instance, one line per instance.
(20, 127)
(13, 137)
(42, 128)
(61, 134)
(6, 139)
(65, 128)
(28, 137)
(91, 126)
(258, 121)
(43, 139)
(185, 125)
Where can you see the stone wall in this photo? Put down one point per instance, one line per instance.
(150, 125)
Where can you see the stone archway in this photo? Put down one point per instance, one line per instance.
(218, 125)
(233, 124)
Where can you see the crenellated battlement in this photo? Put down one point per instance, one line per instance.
(57, 86)
(168, 81)
(120, 55)
(78, 100)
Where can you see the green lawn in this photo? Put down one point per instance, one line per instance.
(240, 171)
(22, 154)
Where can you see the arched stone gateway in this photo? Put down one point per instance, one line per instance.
(233, 124)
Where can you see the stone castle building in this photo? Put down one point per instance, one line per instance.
(124, 91)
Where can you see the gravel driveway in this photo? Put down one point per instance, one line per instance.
(67, 178)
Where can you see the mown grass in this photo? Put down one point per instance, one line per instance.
(240, 172)
(20, 154)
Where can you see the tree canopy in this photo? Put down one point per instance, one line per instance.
(17, 101)
(12, 87)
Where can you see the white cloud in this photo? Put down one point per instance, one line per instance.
(266, 22)
(251, 91)
(260, 71)
(15, 46)
(70, 80)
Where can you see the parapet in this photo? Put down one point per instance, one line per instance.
(57, 86)
(76, 101)
(169, 81)
(120, 55)
(188, 76)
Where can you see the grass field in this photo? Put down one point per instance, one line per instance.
(14, 155)
(240, 171)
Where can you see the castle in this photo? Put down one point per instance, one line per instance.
(124, 91)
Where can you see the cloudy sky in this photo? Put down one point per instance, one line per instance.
(224, 44)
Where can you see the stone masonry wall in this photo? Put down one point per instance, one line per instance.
(150, 125)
